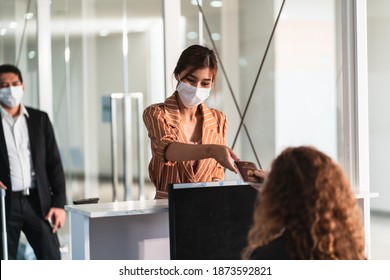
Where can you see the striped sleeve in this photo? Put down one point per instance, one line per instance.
(159, 132)
(218, 174)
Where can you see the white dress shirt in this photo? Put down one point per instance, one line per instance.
(18, 148)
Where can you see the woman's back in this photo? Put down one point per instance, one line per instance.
(308, 199)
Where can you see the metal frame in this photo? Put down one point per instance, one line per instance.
(44, 57)
(4, 226)
(127, 147)
(355, 103)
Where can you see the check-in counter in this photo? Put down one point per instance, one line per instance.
(131, 230)
(119, 230)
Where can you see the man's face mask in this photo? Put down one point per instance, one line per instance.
(192, 96)
(11, 96)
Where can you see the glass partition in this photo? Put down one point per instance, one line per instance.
(101, 47)
(378, 33)
(279, 83)
(18, 43)
(279, 79)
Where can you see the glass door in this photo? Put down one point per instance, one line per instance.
(99, 48)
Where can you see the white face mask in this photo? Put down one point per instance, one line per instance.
(11, 96)
(192, 96)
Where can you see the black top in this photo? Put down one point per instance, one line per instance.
(275, 250)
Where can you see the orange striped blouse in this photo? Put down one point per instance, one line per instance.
(162, 122)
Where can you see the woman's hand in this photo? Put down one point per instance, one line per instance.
(225, 156)
(260, 173)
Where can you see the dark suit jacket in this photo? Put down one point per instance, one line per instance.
(46, 159)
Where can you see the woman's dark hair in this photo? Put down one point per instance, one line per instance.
(9, 68)
(196, 57)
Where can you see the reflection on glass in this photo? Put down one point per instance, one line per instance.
(295, 96)
(109, 46)
(18, 43)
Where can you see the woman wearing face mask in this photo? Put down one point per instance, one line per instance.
(188, 139)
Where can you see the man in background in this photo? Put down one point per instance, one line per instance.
(31, 171)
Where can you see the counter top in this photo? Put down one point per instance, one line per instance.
(139, 207)
(363, 194)
(119, 208)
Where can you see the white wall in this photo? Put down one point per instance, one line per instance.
(306, 78)
(379, 101)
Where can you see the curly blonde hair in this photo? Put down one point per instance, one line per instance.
(307, 197)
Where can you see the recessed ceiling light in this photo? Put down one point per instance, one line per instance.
(104, 32)
(28, 16)
(12, 24)
(243, 62)
(192, 35)
(216, 4)
(31, 54)
(216, 36)
(3, 31)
